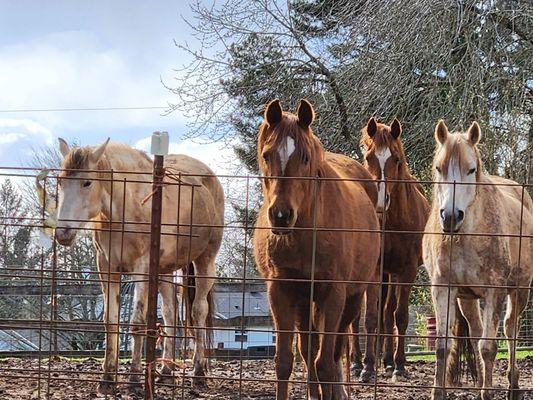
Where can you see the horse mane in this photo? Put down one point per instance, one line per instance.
(307, 145)
(79, 158)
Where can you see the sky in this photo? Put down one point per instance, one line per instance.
(72, 54)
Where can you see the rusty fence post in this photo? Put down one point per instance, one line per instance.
(159, 149)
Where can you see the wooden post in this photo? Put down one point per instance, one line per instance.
(159, 150)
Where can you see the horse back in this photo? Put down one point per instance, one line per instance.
(512, 189)
(352, 169)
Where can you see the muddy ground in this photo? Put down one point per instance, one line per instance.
(73, 380)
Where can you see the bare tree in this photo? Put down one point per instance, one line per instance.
(419, 61)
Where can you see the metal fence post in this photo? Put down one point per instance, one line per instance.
(159, 149)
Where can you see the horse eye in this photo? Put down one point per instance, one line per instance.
(471, 171)
(87, 183)
(265, 157)
(438, 169)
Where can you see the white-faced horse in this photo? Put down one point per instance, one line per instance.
(492, 261)
(96, 191)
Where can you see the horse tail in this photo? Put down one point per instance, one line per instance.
(461, 350)
(190, 274)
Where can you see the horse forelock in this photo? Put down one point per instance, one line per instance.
(454, 150)
(76, 159)
(306, 144)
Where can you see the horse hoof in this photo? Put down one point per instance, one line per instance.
(165, 379)
(200, 382)
(486, 395)
(400, 375)
(389, 371)
(367, 376)
(339, 393)
(438, 394)
(106, 387)
(515, 394)
(356, 368)
(135, 388)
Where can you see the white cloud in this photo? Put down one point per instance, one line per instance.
(6, 138)
(18, 137)
(74, 69)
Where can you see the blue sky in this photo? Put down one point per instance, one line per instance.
(73, 54)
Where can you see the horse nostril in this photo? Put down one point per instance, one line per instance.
(442, 214)
(289, 215)
(460, 215)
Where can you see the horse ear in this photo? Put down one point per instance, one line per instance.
(371, 127)
(63, 147)
(273, 113)
(98, 152)
(396, 129)
(441, 132)
(306, 114)
(474, 133)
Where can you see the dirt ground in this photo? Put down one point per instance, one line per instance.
(72, 380)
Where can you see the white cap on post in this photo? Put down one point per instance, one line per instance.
(159, 143)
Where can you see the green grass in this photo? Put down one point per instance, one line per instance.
(501, 355)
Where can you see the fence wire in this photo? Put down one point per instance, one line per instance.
(54, 319)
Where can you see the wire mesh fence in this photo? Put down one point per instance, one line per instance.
(56, 328)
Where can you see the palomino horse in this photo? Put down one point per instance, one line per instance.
(315, 231)
(192, 218)
(406, 210)
(493, 253)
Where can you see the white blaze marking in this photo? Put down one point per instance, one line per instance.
(383, 155)
(458, 196)
(285, 151)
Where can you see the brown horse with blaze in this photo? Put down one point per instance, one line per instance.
(400, 196)
(317, 244)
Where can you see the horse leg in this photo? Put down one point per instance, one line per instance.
(138, 322)
(488, 346)
(302, 324)
(443, 302)
(204, 280)
(111, 296)
(168, 309)
(284, 317)
(351, 309)
(331, 310)
(371, 324)
(388, 326)
(516, 303)
(471, 311)
(401, 318)
(356, 356)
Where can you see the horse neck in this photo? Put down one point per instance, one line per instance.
(401, 195)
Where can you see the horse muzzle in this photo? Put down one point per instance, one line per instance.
(451, 222)
(281, 221)
(65, 236)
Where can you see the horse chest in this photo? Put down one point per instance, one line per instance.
(297, 257)
(471, 262)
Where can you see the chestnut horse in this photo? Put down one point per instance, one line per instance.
(120, 221)
(315, 231)
(497, 252)
(406, 210)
